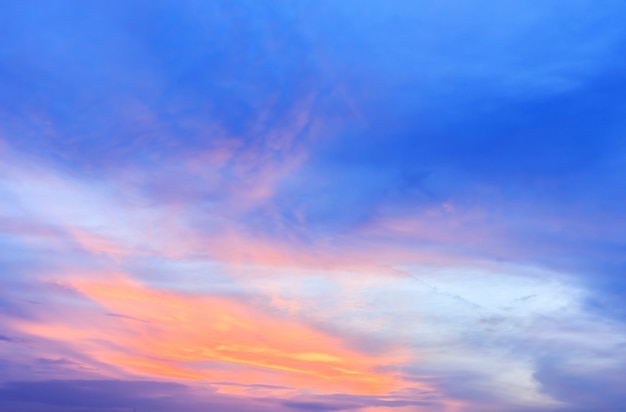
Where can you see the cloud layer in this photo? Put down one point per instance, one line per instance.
(312, 206)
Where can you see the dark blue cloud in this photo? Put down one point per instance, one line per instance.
(337, 402)
(311, 406)
(94, 395)
(98, 395)
(101, 394)
(585, 391)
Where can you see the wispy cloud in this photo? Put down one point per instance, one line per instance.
(311, 206)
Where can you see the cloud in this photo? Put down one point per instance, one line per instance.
(586, 388)
(311, 406)
(95, 395)
(417, 205)
(88, 393)
(168, 342)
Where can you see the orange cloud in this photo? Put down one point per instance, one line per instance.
(208, 338)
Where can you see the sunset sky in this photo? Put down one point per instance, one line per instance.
(312, 205)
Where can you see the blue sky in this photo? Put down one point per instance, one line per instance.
(312, 205)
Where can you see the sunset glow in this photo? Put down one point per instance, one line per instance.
(312, 205)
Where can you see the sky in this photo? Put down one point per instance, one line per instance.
(312, 205)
